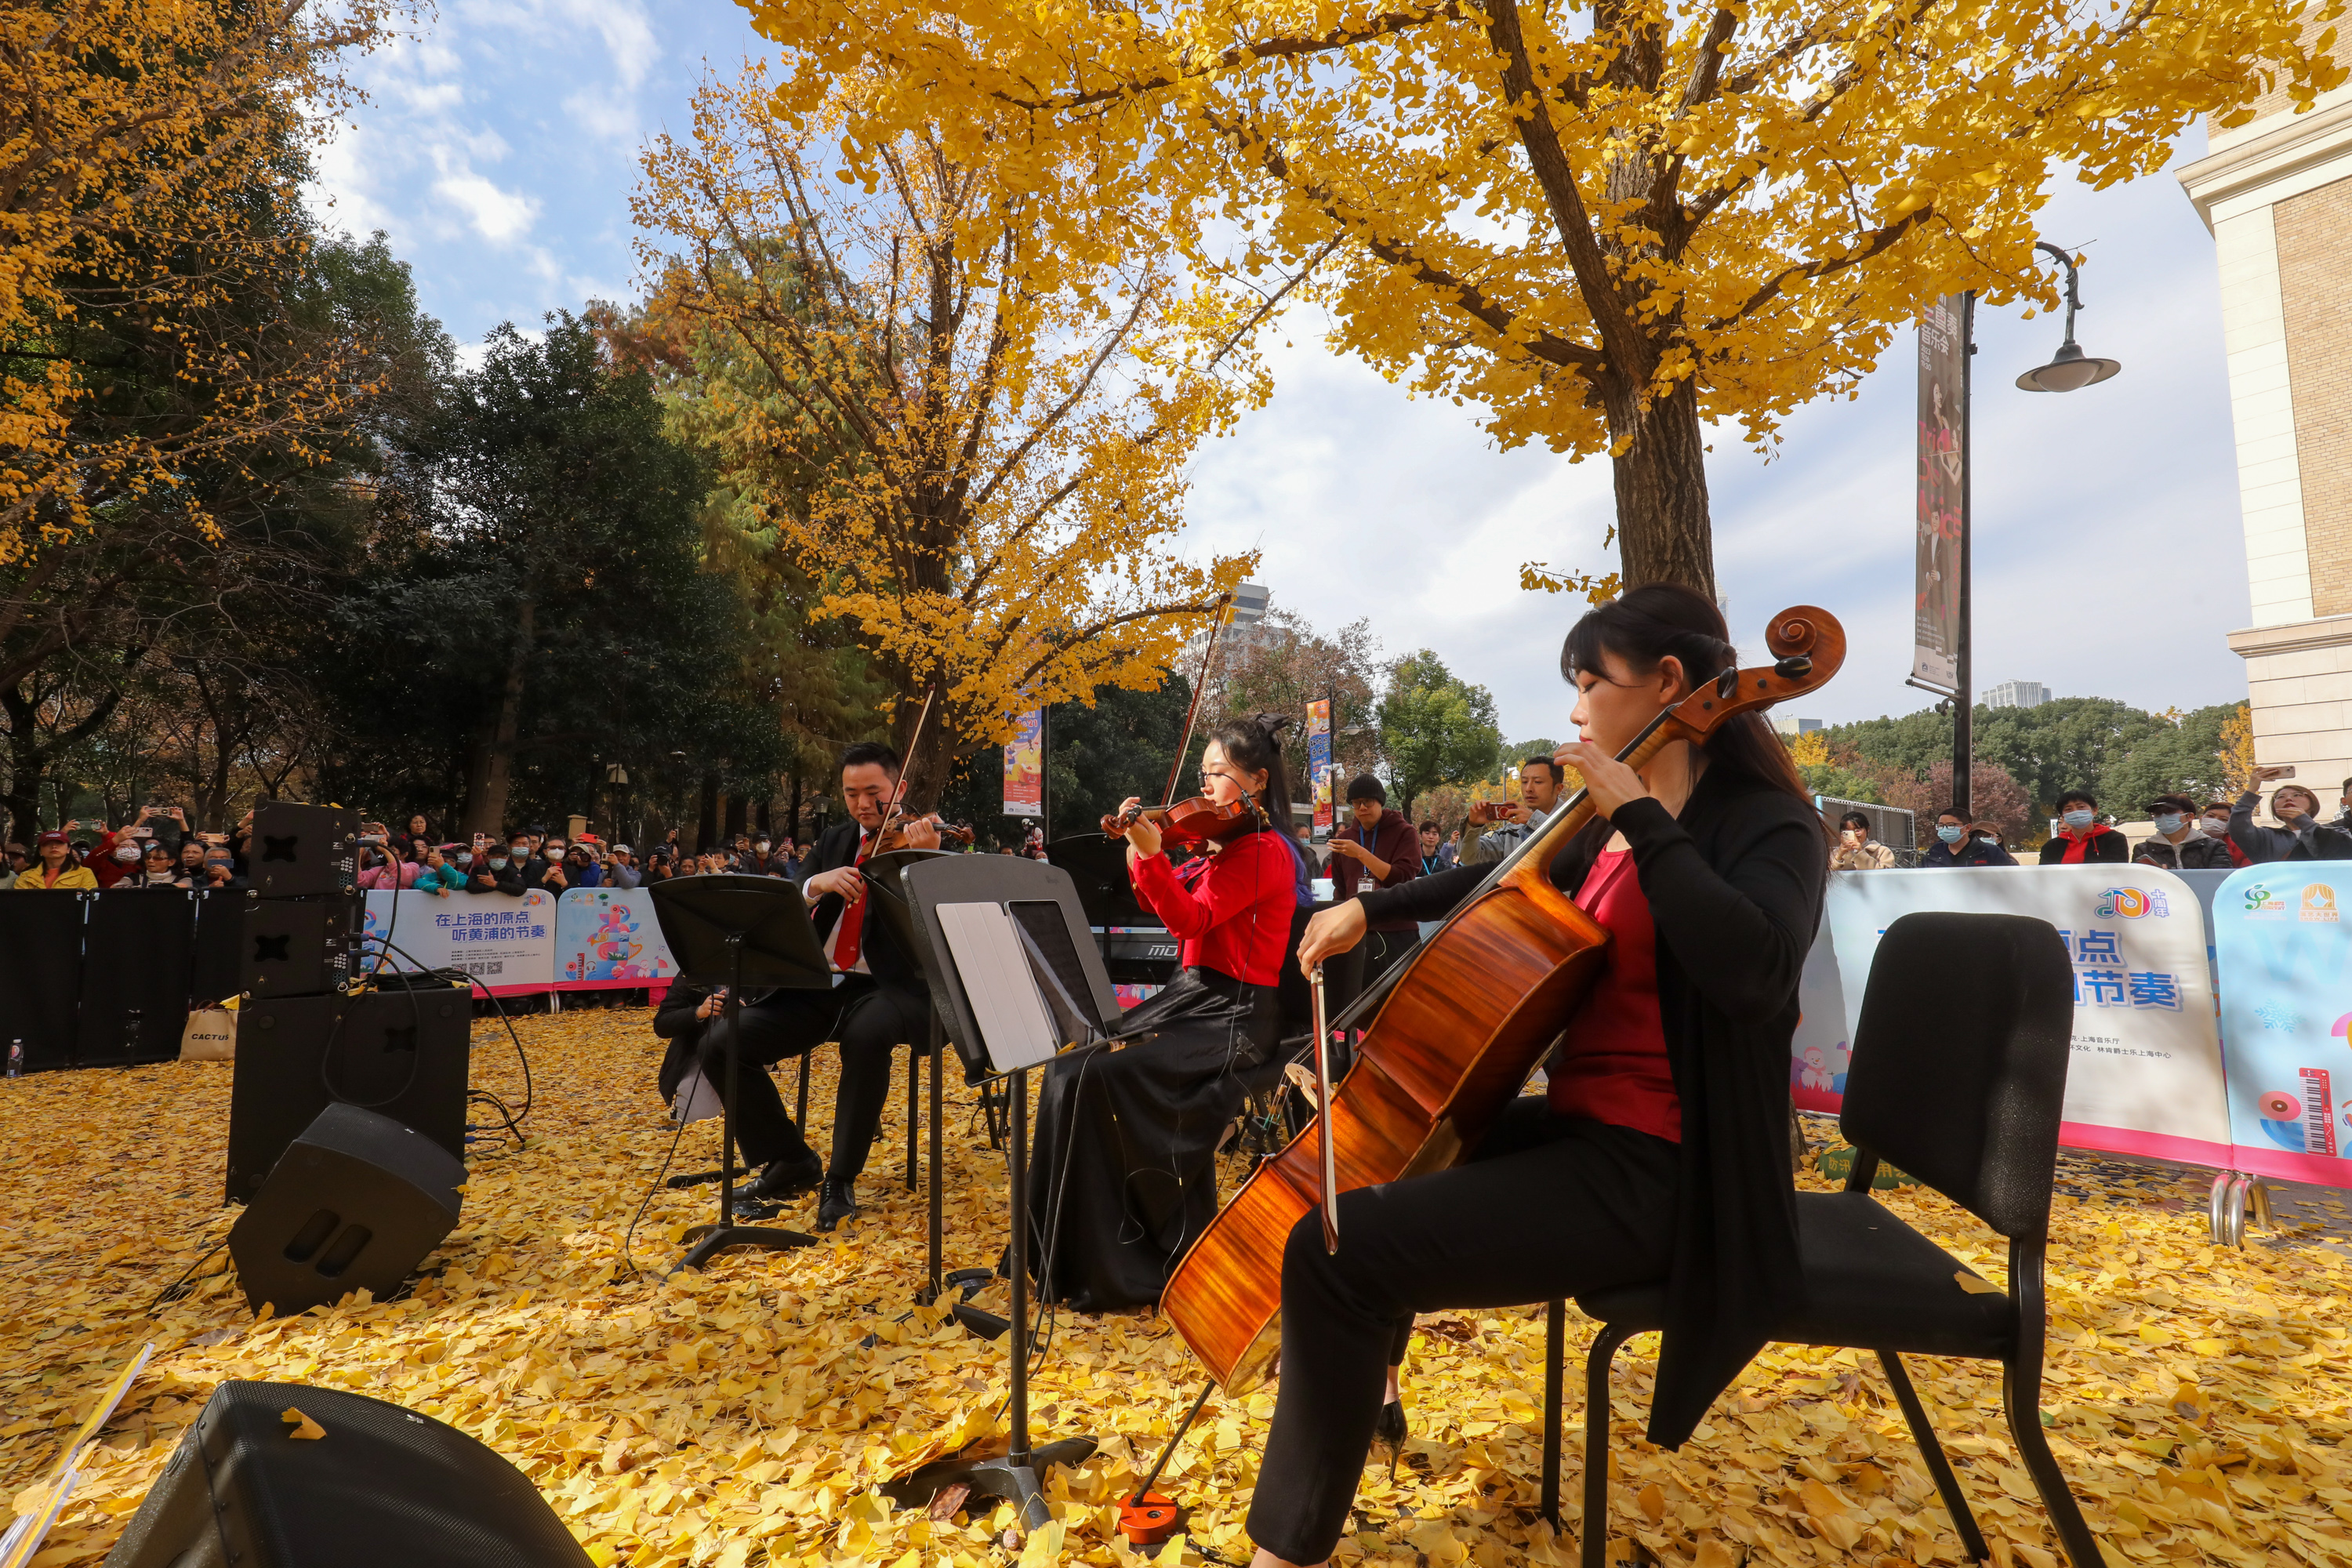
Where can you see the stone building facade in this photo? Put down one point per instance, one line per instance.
(2277, 195)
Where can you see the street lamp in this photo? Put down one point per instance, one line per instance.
(2073, 369)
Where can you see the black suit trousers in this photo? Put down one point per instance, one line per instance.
(868, 1018)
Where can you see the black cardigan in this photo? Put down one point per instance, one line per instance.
(1734, 890)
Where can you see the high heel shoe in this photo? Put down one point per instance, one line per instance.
(1388, 1432)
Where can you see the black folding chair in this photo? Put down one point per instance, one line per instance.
(1961, 1089)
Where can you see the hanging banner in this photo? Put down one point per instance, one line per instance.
(607, 939)
(1318, 762)
(1943, 480)
(506, 943)
(1024, 766)
(2146, 1074)
(2285, 956)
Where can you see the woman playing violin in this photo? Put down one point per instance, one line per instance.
(1124, 1169)
(1659, 1150)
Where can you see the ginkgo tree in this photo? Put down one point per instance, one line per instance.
(970, 436)
(1609, 224)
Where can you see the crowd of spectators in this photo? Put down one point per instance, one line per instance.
(157, 849)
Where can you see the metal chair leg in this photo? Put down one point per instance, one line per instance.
(2021, 1396)
(800, 1114)
(1594, 1544)
(1555, 1352)
(1931, 1450)
(914, 1109)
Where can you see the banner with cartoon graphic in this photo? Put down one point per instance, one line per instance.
(607, 938)
(1024, 766)
(506, 944)
(2145, 1077)
(2285, 961)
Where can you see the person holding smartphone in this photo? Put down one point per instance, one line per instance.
(2304, 836)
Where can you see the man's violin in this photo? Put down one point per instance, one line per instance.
(1199, 820)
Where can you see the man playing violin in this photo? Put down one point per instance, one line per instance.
(880, 1002)
(1659, 1150)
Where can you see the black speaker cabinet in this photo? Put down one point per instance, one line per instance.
(357, 1200)
(383, 1487)
(299, 947)
(302, 851)
(399, 1053)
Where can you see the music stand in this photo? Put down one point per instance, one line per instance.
(725, 930)
(1040, 903)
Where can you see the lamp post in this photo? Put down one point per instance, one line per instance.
(2070, 370)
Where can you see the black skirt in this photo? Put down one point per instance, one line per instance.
(1122, 1176)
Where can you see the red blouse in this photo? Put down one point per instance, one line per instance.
(1231, 909)
(1612, 1067)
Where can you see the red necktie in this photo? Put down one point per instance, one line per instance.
(852, 925)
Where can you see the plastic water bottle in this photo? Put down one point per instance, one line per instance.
(16, 1058)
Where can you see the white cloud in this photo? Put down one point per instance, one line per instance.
(498, 216)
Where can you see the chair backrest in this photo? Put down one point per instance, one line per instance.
(1959, 1062)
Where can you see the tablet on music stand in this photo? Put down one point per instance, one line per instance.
(736, 930)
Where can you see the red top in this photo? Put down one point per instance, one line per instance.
(2078, 848)
(1231, 909)
(1613, 1066)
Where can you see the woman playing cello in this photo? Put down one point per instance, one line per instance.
(1124, 1174)
(1660, 1151)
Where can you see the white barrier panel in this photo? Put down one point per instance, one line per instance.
(2286, 959)
(2146, 1075)
(607, 938)
(506, 943)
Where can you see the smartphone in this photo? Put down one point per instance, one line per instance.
(2279, 775)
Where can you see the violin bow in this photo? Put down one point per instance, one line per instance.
(1222, 614)
(898, 795)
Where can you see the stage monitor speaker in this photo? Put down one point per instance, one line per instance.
(402, 1053)
(302, 851)
(381, 1487)
(299, 947)
(356, 1201)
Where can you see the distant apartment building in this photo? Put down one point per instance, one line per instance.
(1246, 629)
(2277, 195)
(1794, 726)
(2017, 694)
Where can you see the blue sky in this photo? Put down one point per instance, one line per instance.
(498, 153)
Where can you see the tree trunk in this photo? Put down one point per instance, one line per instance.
(799, 832)
(928, 756)
(489, 771)
(1663, 531)
(706, 826)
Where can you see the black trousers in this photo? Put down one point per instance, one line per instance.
(1551, 1207)
(868, 1018)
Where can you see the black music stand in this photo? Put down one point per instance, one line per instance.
(726, 929)
(1042, 903)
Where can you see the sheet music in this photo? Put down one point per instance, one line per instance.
(1014, 1028)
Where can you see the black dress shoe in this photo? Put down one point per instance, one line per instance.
(838, 1201)
(783, 1180)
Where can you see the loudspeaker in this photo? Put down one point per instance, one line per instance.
(404, 1055)
(299, 947)
(302, 851)
(357, 1200)
(383, 1487)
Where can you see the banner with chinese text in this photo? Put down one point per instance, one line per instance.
(1024, 766)
(506, 943)
(2146, 1076)
(1943, 455)
(1318, 762)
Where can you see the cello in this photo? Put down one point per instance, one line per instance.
(1456, 1031)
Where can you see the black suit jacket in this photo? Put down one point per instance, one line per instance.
(891, 964)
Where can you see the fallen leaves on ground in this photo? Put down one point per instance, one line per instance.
(2196, 1396)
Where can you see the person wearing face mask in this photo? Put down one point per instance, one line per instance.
(2215, 826)
(2180, 829)
(2082, 840)
(2304, 837)
(1959, 844)
(1856, 851)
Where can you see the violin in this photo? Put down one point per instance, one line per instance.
(1199, 820)
(1457, 1028)
(893, 836)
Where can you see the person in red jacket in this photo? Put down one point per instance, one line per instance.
(2082, 838)
(1124, 1175)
